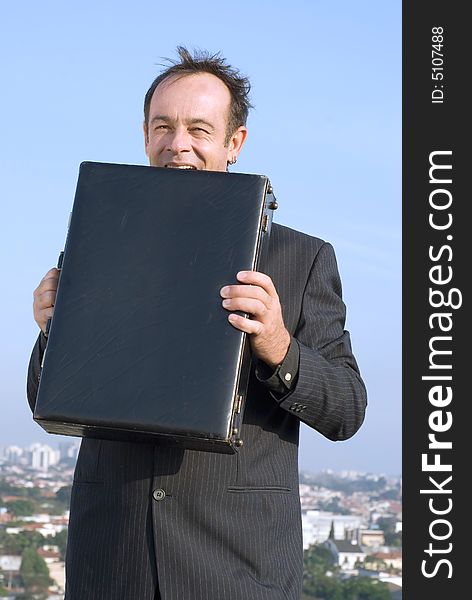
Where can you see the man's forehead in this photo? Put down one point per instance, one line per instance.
(192, 82)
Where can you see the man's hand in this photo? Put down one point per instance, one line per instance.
(44, 297)
(269, 338)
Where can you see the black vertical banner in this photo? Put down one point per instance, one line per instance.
(436, 319)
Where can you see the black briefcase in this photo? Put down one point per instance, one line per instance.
(140, 347)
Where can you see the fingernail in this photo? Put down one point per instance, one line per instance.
(242, 275)
(224, 291)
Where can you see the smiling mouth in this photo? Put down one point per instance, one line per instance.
(187, 167)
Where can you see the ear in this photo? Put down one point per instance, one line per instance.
(146, 138)
(236, 142)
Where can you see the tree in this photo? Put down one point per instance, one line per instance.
(372, 562)
(34, 572)
(10, 490)
(328, 588)
(387, 525)
(63, 495)
(34, 493)
(317, 559)
(365, 588)
(20, 508)
(331, 531)
(3, 592)
(60, 539)
(17, 542)
(392, 494)
(333, 505)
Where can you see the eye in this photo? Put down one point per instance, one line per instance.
(200, 130)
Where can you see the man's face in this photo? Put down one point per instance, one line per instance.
(187, 123)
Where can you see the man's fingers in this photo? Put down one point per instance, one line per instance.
(43, 314)
(44, 297)
(48, 283)
(47, 313)
(257, 278)
(246, 325)
(41, 317)
(258, 298)
(45, 300)
(251, 306)
(52, 274)
(246, 291)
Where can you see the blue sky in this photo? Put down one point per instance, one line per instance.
(326, 129)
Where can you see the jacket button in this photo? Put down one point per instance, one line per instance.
(158, 495)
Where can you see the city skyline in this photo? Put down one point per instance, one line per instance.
(356, 516)
(71, 446)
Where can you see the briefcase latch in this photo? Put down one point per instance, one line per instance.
(265, 223)
(235, 429)
(239, 401)
(273, 203)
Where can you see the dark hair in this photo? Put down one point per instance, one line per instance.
(204, 62)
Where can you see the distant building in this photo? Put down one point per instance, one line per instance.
(386, 560)
(346, 553)
(43, 456)
(10, 568)
(316, 526)
(5, 516)
(46, 525)
(69, 450)
(13, 455)
(49, 556)
(57, 572)
(371, 538)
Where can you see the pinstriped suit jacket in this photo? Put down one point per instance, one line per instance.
(150, 522)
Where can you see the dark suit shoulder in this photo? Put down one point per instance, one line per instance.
(284, 235)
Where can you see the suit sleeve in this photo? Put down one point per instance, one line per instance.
(329, 394)
(34, 369)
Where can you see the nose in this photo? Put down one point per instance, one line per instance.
(179, 141)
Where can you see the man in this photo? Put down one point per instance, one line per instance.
(151, 522)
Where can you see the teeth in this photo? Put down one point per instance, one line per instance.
(180, 167)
